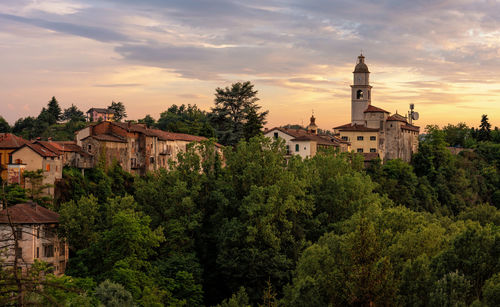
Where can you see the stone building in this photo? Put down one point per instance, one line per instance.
(372, 130)
(306, 143)
(35, 228)
(136, 148)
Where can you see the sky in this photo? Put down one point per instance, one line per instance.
(443, 56)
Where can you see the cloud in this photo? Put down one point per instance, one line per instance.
(96, 33)
(118, 85)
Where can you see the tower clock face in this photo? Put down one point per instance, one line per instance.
(359, 78)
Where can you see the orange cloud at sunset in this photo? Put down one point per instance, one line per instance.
(300, 56)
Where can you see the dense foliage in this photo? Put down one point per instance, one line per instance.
(254, 229)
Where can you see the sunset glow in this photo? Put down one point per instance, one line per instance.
(441, 55)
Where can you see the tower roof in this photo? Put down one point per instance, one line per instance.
(361, 66)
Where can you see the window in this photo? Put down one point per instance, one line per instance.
(359, 150)
(48, 250)
(151, 160)
(89, 147)
(38, 232)
(10, 159)
(276, 135)
(133, 162)
(359, 94)
(38, 252)
(373, 138)
(47, 167)
(19, 233)
(287, 149)
(297, 147)
(19, 252)
(373, 150)
(360, 138)
(345, 138)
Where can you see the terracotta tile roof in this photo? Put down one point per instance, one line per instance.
(39, 149)
(291, 132)
(373, 109)
(9, 140)
(28, 213)
(355, 127)
(397, 117)
(410, 127)
(107, 138)
(173, 136)
(50, 146)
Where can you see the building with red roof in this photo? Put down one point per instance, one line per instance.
(35, 230)
(372, 130)
(307, 142)
(8, 143)
(137, 148)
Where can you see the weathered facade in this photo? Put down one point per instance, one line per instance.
(34, 156)
(8, 143)
(136, 148)
(35, 229)
(372, 130)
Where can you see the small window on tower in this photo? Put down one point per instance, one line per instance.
(359, 94)
(276, 135)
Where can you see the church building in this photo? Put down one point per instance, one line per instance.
(374, 131)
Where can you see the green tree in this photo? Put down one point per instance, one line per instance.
(4, 125)
(73, 114)
(491, 291)
(111, 294)
(148, 120)
(236, 113)
(186, 119)
(119, 110)
(54, 110)
(484, 132)
(451, 290)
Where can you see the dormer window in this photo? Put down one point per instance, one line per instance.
(359, 94)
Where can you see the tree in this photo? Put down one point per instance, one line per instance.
(491, 290)
(54, 110)
(73, 114)
(148, 120)
(451, 290)
(484, 132)
(4, 125)
(236, 113)
(113, 295)
(119, 111)
(186, 119)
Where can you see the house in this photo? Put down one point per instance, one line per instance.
(307, 143)
(8, 143)
(34, 156)
(135, 147)
(34, 227)
(100, 114)
(72, 154)
(372, 130)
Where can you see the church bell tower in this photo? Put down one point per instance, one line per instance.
(361, 91)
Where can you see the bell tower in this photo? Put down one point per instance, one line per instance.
(361, 91)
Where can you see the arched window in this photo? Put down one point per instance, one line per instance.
(359, 94)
